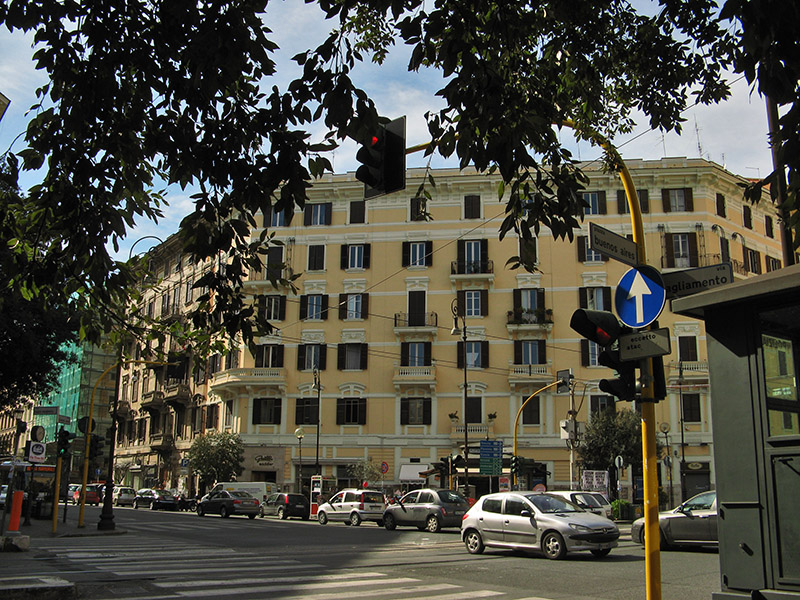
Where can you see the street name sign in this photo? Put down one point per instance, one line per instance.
(640, 296)
(45, 410)
(613, 245)
(644, 344)
(692, 281)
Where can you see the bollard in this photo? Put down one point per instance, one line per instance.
(16, 512)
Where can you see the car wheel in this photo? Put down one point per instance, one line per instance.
(322, 518)
(281, 514)
(433, 524)
(251, 517)
(379, 522)
(200, 512)
(389, 522)
(600, 553)
(355, 519)
(553, 546)
(473, 542)
(223, 512)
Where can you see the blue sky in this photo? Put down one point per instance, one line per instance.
(732, 134)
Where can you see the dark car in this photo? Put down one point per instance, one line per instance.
(283, 505)
(427, 509)
(155, 499)
(693, 523)
(226, 503)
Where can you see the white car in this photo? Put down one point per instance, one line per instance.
(353, 506)
(124, 495)
(592, 501)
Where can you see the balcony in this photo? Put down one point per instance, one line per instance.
(237, 380)
(153, 400)
(521, 319)
(475, 431)
(416, 323)
(162, 442)
(480, 270)
(520, 375)
(692, 370)
(177, 395)
(414, 376)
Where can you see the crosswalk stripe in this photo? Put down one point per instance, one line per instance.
(215, 569)
(269, 589)
(246, 581)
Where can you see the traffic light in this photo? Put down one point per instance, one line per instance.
(96, 444)
(64, 442)
(515, 464)
(625, 385)
(598, 326)
(383, 159)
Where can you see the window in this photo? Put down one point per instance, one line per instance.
(594, 203)
(529, 250)
(531, 414)
(269, 355)
(355, 256)
(351, 411)
(316, 258)
(769, 229)
(473, 411)
(314, 306)
(752, 260)
(472, 207)
(477, 355)
(586, 254)
(165, 304)
(352, 357)
(229, 413)
(415, 354)
(528, 305)
(473, 256)
(589, 353)
(415, 411)
(278, 218)
(473, 303)
(317, 214)
(358, 211)
(306, 411)
(514, 506)
(600, 403)
(691, 408)
(595, 298)
(311, 356)
(679, 200)
(725, 249)
(747, 216)
(187, 293)
(722, 209)
(353, 306)
(417, 254)
(529, 352)
(214, 363)
(773, 264)
(680, 250)
(622, 201)
(687, 348)
(272, 307)
(418, 209)
(266, 411)
(232, 359)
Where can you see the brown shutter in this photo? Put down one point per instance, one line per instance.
(342, 306)
(688, 199)
(669, 248)
(693, 258)
(581, 243)
(644, 200)
(601, 202)
(585, 353)
(406, 256)
(485, 354)
(484, 295)
(622, 202)
(665, 200)
(583, 298)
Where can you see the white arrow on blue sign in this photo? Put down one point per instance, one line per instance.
(640, 296)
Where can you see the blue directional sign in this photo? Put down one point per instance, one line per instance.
(640, 296)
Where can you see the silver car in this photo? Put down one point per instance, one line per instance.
(353, 506)
(693, 523)
(536, 521)
(592, 501)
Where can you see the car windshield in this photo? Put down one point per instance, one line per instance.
(296, 498)
(373, 497)
(163, 494)
(601, 499)
(552, 504)
(450, 497)
(240, 494)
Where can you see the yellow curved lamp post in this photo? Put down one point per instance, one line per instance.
(519, 414)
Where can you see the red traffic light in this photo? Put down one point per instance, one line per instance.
(598, 326)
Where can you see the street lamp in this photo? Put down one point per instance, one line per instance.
(683, 440)
(299, 433)
(463, 332)
(317, 386)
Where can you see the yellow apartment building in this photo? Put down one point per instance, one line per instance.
(368, 343)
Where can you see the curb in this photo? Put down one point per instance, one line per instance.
(38, 588)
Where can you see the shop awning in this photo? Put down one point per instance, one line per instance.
(411, 472)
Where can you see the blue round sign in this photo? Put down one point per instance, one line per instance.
(640, 296)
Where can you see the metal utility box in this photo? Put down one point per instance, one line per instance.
(753, 338)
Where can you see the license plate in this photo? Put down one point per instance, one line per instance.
(459, 513)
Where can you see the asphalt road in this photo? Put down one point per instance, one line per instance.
(171, 555)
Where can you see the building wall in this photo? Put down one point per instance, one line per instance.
(674, 239)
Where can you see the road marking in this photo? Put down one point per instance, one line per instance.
(344, 585)
(217, 568)
(321, 578)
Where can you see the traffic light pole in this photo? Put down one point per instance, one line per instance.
(519, 414)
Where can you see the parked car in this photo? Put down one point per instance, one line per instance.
(226, 503)
(93, 494)
(353, 506)
(592, 501)
(71, 491)
(155, 499)
(536, 521)
(693, 523)
(124, 495)
(427, 509)
(283, 505)
(4, 494)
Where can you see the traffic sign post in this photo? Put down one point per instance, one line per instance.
(644, 344)
(640, 296)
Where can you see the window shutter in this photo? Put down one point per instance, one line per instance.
(364, 305)
(259, 356)
(601, 202)
(289, 211)
(279, 356)
(298, 411)
(688, 199)
(404, 354)
(256, 411)
(460, 253)
(644, 200)
(328, 211)
(517, 352)
(268, 217)
(343, 257)
(362, 411)
(324, 307)
(307, 215)
(461, 302)
(303, 307)
(406, 257)
(542, 352)
(427, 354)
(670, 250)
(426, 411)
(540, 298)
(428, 253)
(340, 411)
(622, 202)
(485, 354)
(323, 356)
(277, 413)
(364, 356)
(341, 353)
(583, 297)
(460, 355)
(484, 252)
(665, 200)
(693, 259)
(282, 308)
(403, 411)
(581, 244)
(757, 261)
(745, 258)
(484, 296)
(301, 357)
(366, 255)
(342, 307)
(357, 211)
(585, 353)
(606, 298)
(517, 295)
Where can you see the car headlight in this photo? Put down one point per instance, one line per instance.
(581, 528)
